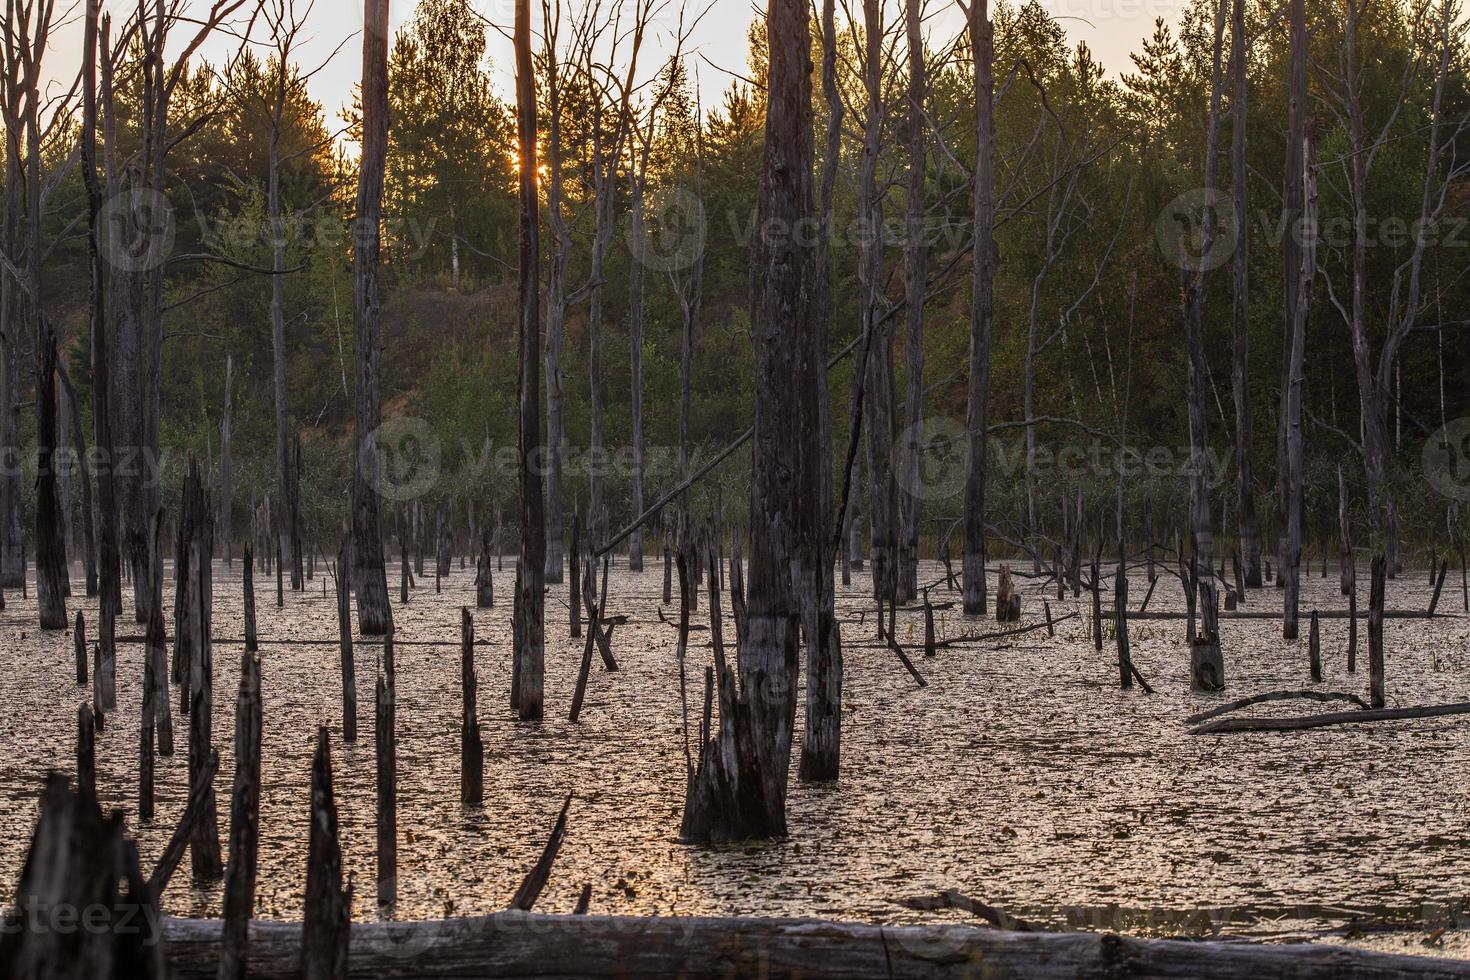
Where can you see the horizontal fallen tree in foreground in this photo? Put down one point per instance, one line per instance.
(1326, 719)
(519, 944)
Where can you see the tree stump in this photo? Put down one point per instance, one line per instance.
(1007, 599)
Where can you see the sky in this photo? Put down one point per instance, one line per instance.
(1112, 28)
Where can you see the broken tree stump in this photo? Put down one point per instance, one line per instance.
(240, 874)
(1375, 634)
(1314, 648)
(344, 641)
(1007, 599)
(471, 745)
(326, 917)
(79, 642)
(1206, 660)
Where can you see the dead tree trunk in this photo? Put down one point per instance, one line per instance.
(821, 747)
(914, 286)
(374, 614)
(471, 746)
(226, 471)
(739, 790)
(982, 37)
(51, 572)
(1300, 207)
(532, 561)
(239, 901)
(196, 547)
(1248, 524)
(327, 913)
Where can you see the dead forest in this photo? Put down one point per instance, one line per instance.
(698, 413)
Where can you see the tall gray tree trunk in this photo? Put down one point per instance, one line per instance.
(635, 347)
(1194, 321)
(374, 615)
(532, 562)
(1248, 524)
(556, 311)
(288, 534)
(12, 327)
(226, 470)
(739, 790)
(982, 39)
(1300, 205)
(109, 569)
(914, 283)
(878, 394)
(821, 746)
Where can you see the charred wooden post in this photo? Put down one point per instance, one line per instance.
(668, 573)
(248, 579)
(344, 640)
(1097, 630)
(1050, 626)
(1007, 599)
(1206, 660)
(442, 561)
(77, 858)
(196, 545)
(387, 758)
(929, 625)
(1120, 623)
(403, 572)
(484, 578)
(104, 674)
(1314, 648)
(79, 642)
(471, 745)
(86, 752)
(327, 912)
(240, 876)
(280, 578)
(1352, 652)
(574, 594)
(1375, 634)
(201, 789)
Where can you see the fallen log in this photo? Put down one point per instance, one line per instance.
(1300, 722)
(1236, 705)
(521, 944)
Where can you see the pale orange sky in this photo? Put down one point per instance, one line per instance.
(1112, 28)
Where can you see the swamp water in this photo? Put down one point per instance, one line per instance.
(1021, 775)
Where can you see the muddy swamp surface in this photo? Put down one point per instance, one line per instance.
(1021, 775)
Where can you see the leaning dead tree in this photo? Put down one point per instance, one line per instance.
(739, 788)
(374, 615)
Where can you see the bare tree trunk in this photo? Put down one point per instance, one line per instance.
(739, 789)
(982, 38)
(1248, 524)
(109, 568)
(556, 311)
(532, 563)
(821, 746)
(878, 414)
(1299, 266)
(374, 615)
(287, 532)
(914, 284)
(1194, 320)
(635, 346)
(84, 474)
(226, 472)
(12, 568)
